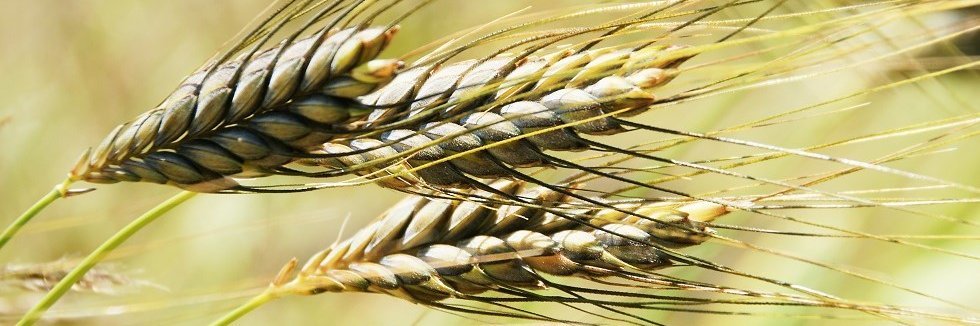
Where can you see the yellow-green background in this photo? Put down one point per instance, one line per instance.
(71, 70)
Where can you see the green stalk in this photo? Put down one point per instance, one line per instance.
(279, 287)
(59, 191)
(100, 253)
(268, 295)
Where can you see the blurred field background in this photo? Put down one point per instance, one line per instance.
(72, 70)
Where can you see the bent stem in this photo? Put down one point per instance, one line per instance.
(270, 293)
(279, 287)
(59, 191)
(100, 253)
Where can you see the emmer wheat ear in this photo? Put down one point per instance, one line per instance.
(242, 117)
(433, 251)
(517, 133)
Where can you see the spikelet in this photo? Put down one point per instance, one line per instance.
(246, 116)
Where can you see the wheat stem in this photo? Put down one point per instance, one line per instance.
(98, 254)
(60, 190)
(269, 294)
